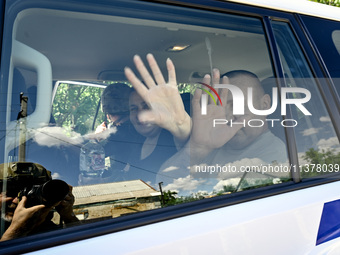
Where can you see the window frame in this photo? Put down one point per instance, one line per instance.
(324, 85)
(319, 69)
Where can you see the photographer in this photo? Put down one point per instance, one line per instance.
(28, 200)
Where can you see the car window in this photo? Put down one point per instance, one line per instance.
(336, 39)
(316, 140)
(72, 97)
(129, 137)
(325, 34)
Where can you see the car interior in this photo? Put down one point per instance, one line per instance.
(52, 48)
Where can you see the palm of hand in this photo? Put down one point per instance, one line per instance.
(166, 108)
(165, 104)
(205, 134)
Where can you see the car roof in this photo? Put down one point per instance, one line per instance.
(297, 6)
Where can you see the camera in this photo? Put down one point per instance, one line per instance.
(33, 181)
(48, 193)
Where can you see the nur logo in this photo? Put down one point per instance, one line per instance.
(239, 99)
(204, 98)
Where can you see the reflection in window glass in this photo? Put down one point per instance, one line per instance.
(117, 139)
(317, 143)
(75, 107)
(336, 39)
(325, 34)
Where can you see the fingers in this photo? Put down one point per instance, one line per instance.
(213, 97)
(38, 214)
(147, 78)
(215, 80)
(171, 72)
(143, 71)
(224, 92)
(196, 107)
(135, 82)
(5, 199)
(206, 79)
(41, 208)
(22, 203)
(206, 90)
(155, 71)
(216, 76)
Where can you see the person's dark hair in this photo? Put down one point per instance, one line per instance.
(115, 99)
(243, 77)
(241, 73)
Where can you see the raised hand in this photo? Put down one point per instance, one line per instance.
(166, 108)
(205, 137)
(25, 220)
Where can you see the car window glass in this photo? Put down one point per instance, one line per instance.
(316, 140)
(336, 39)
(73, 97)
(87, 128)
(325, 34)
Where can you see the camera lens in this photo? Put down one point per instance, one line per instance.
(54, 191)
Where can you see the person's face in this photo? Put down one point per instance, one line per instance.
(136, 105)
(246, 135)
(10, 204)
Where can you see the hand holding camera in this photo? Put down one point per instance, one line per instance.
(25, 220)
(30, 196)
